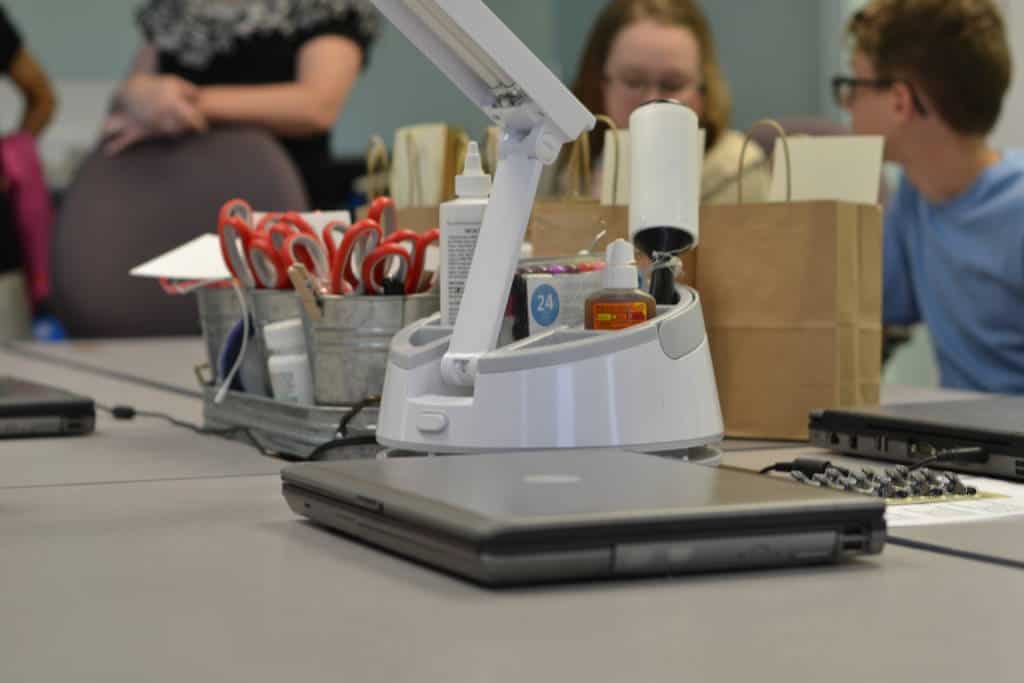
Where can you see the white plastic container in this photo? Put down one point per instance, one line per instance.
(288, 362)
(460, 221)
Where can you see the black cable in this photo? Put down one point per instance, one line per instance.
(971, 454)
(354, 411)
(808, 466)
(123, 412)
(954, 552)
(320, 452)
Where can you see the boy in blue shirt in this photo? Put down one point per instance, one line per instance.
(930, 76)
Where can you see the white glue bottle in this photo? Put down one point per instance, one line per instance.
(288, 363)
(461, 219)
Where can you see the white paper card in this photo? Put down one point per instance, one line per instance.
(833, 167)
(198, 259)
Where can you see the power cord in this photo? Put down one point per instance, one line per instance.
(320, 452)
(123, 412)
(810, 466)
(970, 454)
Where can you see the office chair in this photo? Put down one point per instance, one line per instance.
(123, 210)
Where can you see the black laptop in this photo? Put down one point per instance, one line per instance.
(909, 432)
(512, 518)
(31, 409)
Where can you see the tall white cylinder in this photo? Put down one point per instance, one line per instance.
(665, 167)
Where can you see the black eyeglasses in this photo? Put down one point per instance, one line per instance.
(843, 88)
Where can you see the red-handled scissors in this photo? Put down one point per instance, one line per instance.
(332, 235)
(384, 212)
(417, 247)
(236, 208)
(234, 236)
(307, 250)
(379, 273)
(268, 265)
(347, 264)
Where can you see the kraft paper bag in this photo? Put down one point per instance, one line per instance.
(424, 162)
(792, 298)
(380, 169)
(840, 167)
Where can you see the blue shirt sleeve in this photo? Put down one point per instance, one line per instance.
(899, 302)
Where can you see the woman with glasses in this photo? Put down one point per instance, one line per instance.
(642, 50)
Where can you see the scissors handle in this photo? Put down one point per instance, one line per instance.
(413, 282)
(358, 241)
(235, 208)
(377, 264)
(328, 233)
(384, 211)
(307, 250)
(266, 263)
(269, 220)
(234, 237)
(298, 222)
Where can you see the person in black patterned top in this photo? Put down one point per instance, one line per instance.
(287, 65)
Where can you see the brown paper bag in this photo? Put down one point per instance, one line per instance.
(425, 160)
(565, 227)
(378, 171)
(792, 299)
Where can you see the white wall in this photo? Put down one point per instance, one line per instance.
(1010, 131)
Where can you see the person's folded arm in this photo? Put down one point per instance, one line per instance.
(32, 82)
(327, 69)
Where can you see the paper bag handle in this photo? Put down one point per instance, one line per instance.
(616, 139)
(579, 162)
(772, 123)
(579, 165)
(377, 165)
(415, 179)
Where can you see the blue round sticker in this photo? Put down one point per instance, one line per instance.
(544, 305)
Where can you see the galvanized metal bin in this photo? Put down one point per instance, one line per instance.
(219, 311)
(289, 428)
(348, 344)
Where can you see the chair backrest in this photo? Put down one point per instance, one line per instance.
(123, 210)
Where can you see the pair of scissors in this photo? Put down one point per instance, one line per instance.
(374, 264)
(271, 253)
(384, 213)
(349, 257)
(235, 234)
(259, 255)
(416, 247)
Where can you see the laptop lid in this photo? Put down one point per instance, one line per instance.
(490, 497)
(911, 431)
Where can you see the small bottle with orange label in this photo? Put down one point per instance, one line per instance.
(620, 304)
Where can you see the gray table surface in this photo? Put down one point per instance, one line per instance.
(165, 362)
(148, 553)
(216, 580)
(144, 448)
